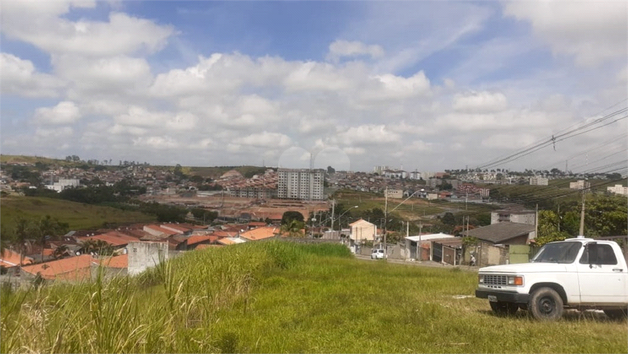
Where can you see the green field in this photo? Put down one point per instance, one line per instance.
(280, 297)
(411, 209)
(77, 215)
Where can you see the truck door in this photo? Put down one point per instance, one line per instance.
(603, 280)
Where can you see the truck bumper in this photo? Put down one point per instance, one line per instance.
(503, 296)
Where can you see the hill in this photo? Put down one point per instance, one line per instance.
(77, 215)
(281, 297)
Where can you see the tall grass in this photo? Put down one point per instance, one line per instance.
(283, 297)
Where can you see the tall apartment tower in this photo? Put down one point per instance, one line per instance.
(302, 184)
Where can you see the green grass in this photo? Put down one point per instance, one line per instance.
(282, 297)
(77, 215)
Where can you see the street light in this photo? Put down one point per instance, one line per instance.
(332, 217)
(386, 217)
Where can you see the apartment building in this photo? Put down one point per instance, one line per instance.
(304, 184)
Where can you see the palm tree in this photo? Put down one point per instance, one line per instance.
(293, 228)
(22, 230)
(97, 246)
(60, 251)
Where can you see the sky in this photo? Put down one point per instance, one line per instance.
(417, 85)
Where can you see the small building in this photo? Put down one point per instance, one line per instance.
(501, 243)
(362, 230)
(394, 193)
(521, 216)
(539, 181)
(618, 189)
(144, 255)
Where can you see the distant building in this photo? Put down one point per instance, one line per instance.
(394, 193)
(395, 174)
(363, 230)
(538, 181)
(521, 216)
(581, 184)
(415, 175)
(618, 189)
(380, 169)
(301, 184)
(63, 184)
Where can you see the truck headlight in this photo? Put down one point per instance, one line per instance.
(480, 278)
(515, 280)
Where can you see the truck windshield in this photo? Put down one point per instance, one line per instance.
(560, 252)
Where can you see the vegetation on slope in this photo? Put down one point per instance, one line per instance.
(76, 215)
(284, 297)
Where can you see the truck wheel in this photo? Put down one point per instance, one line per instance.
(504, 308)
(619, 314)
(545, 304)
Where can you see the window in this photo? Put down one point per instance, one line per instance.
(600, 254)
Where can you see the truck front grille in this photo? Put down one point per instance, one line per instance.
(496, 280)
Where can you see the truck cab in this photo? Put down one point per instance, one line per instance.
(579, 273)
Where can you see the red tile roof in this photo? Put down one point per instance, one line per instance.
(201, 238)
(73, 268)
(10, 258)
(121, 261)
(260, 233)
(114, 238)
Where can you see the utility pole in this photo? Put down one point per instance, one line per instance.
(582, 214)
(333, 207)
(385, 221)
(419, 248)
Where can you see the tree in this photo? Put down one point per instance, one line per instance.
(289, 216)
(549, 225)
(294, 228)
(99, 247)
(331, 170)
(60, 251)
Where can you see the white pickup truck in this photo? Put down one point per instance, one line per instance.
(578, 273)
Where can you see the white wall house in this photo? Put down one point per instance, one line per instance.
(363, 230)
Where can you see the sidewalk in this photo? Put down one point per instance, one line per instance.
(421, 264)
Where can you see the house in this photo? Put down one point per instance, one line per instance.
(394, 193)
(522, 216)
(117, 240)
(498, 243)
(67, 269)
(194, 241)
(260, 233)
(424, 242)
(10, 259)
(362, 230)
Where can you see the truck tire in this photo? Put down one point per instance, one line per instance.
(546, 305)
(504, 308)
(618, 314)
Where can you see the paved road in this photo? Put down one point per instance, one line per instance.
(419, 264)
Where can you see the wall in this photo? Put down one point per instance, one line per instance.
(144, 255)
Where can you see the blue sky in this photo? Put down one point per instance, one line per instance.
(424, 84)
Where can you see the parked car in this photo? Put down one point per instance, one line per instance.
(577, 273)
(377, 254)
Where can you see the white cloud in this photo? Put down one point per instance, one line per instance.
(63, 113)
(480, 102)
(592, 31)
(365, 135)
(341, 48)
(118, 74)
(20, 77)
(156, 142)
(265, 140)
(44, 27)
(508, 141)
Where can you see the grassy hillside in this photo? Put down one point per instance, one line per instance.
(31, 159)
(78, 215)
(279, 297)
